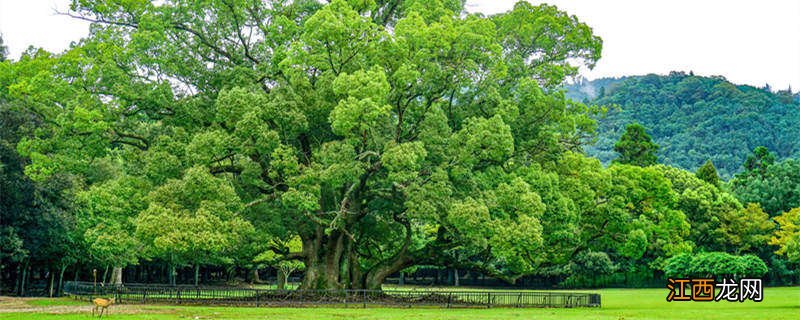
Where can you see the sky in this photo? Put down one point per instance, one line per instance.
(749, 42)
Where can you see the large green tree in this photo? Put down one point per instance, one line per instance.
(383, 134)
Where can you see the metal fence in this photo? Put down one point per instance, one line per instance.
(191, 295)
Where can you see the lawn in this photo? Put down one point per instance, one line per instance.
(779, 303)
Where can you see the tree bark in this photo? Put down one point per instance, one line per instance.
(196, 274)
(105, 275)
(256, 277)
(331, 263)
(52, 281)
(281, 280)
(116, 276)
(171, 274)
(23, 278)
(61, 280)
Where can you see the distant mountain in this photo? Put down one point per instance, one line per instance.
(694, 118)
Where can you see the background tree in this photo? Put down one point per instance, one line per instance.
(708, 173)
(106, 214)
(787, 237)
(776, 190)
(635, 147)
(758, 162)
(746, 230)
(194, 220)
(37, 229)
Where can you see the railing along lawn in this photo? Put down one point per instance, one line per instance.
(207, 295)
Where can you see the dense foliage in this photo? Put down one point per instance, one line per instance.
(775, 186)
(694, 119)
(709, 264)
(348, 141)
(635, 147)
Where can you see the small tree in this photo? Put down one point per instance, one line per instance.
(286, 267)
(283, 261)
(787, 237)
(708, 173)
(635, 147)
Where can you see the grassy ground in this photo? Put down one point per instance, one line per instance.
(779, 303)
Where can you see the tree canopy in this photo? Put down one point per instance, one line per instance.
(382, 137)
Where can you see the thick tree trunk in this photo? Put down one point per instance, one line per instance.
(332, 263)
(331, 260)
(323, 261)
(230, 274)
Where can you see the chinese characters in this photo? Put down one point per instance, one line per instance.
(708, 290)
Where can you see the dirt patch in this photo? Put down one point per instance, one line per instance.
(13, 304)
(9, 303)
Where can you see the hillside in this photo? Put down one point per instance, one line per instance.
(694, 118)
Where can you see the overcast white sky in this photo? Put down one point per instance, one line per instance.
(750, 42)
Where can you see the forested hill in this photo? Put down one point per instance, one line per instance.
(694, 118)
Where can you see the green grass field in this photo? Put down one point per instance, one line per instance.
(779, 303)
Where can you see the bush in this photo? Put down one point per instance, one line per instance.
(711, 264)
